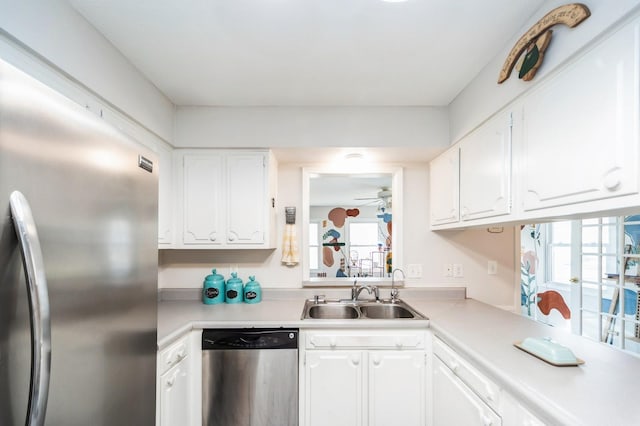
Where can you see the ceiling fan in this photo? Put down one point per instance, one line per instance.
(383, 198)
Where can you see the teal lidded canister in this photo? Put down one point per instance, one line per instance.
(233, 289)
(213, 289)
(252, 291)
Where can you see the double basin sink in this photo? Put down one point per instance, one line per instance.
(359, 309)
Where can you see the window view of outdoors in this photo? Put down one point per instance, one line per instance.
(571, 277)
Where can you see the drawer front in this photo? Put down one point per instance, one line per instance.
(488, 391)
(173, 355)
(400, 339)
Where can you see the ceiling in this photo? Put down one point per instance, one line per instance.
(309, 52)
(349, 190)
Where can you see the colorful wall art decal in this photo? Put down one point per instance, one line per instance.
(551, 299)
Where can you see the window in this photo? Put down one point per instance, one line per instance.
(363, 238)
(576, 281)
(314, 247)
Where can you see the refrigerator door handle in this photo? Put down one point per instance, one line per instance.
(27, 234)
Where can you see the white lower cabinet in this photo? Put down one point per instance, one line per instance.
(462, 395)
(368, 377)
(333, 388)
(397, 381)
(174, 395)
(178, 387)
(455, 403)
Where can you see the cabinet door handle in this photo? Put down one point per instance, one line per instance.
(376, 360)
(355, 360)
(454, 366)
(171, 380)
(486, 420)
(490, 394)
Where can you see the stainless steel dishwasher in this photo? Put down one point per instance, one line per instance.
(250, 377)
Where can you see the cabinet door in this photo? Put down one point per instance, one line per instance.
(455, 404)
(397, 388)
(202, 207)
(580, 140)
(174, 395)
(333, 388)
(246, 198)
(444, 187)
(165, 198)
(485, 170)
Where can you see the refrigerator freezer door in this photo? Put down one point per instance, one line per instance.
(96, 214)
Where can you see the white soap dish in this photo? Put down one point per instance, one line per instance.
(548, 350)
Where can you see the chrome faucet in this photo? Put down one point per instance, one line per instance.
(394, 290)
(356, 290)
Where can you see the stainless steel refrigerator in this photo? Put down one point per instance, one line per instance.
(78, 264)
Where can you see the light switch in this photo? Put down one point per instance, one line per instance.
(492, 267)
(458, 272)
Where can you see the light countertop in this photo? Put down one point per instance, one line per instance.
(603, 391)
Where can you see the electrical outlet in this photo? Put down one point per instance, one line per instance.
(458, 272)
(492, 267)
(414, 270)
(447, 270)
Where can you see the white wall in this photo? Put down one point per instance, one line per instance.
(483, 96)
(55, 31)
(472, 249)
(277, 127)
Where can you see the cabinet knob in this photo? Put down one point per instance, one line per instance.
(355, 360)
(612, 180)
(376, 360)
(454, 366)
(171, 381)
(490, 395)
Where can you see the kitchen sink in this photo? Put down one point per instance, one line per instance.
(333, 311)
(361, 309)
(386, 311)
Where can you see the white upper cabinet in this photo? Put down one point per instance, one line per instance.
(580, 135)
(572, 148)
(248, 207)
(444, 184)
(202, 202)
(165, 198)
(226, 198)
(485, 170)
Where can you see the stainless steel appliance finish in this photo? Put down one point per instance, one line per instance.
(78, 264)
(250, 377)
(392, 309)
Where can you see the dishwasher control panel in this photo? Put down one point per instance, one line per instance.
(250, 338)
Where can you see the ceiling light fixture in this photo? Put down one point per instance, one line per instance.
(354, 156)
